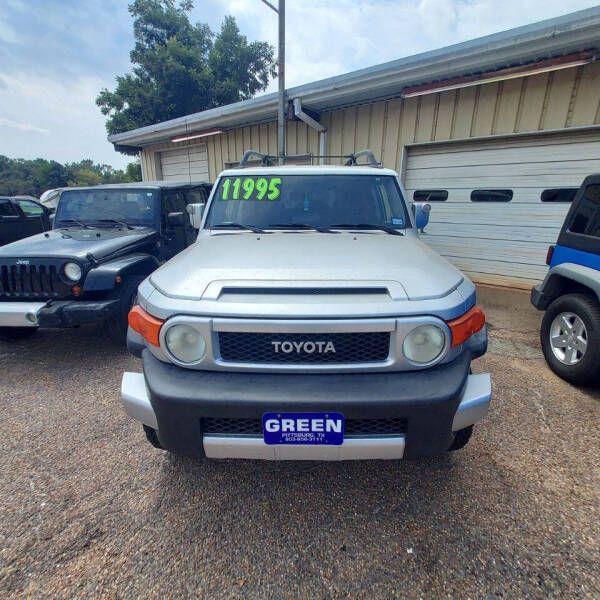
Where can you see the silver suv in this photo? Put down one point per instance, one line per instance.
(308, 321)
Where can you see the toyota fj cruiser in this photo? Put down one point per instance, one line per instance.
(104, 241)
(570, 293)
(308, 321)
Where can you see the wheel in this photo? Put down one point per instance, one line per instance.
(570, 337)
(461, 438)
(117, 326)
(13, 334)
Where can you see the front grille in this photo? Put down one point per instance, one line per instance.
(32, 281)
(336, 348)
(352, 427)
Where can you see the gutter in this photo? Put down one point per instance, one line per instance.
(300, 114)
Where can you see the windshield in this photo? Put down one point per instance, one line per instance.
(92, 206)
(317, 201)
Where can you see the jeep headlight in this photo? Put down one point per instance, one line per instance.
(424, 344)
(72, 271)
(185, 343)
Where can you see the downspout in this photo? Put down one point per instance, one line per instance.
(300, 114)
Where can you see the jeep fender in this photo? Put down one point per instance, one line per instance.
(556, 283)
(103, 277)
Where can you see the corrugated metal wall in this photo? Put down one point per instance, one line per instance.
(549, 101)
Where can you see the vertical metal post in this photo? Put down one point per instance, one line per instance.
(281, 76)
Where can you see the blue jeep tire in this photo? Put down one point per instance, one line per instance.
(580, 368)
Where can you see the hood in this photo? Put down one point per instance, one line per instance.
(76, 242)
(366, 258)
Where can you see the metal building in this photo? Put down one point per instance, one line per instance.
(494, 132)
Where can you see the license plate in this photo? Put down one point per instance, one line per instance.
(303, 428)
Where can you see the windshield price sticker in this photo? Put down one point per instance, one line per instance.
(303, 428)
(251, 188)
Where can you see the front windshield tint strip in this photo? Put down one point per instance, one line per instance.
(94, 205)
(307, 201)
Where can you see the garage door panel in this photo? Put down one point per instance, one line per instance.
(547, 235)
(505, 270)
(500, 180)
(530, 252)
(500, 214)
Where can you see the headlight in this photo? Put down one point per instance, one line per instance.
(185, 343)
(424, 344)
(72, 271)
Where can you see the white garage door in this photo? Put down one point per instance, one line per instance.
(185, 164)
(500, 242)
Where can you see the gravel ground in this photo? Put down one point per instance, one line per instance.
(89, 509)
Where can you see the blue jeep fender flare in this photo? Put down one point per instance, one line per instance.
(552, 286)
(103, 277)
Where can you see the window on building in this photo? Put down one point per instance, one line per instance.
(559, 195)
(586, 219)
(430, 195)
(491, 195)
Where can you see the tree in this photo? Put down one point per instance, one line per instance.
(180, 68)
(32, 177)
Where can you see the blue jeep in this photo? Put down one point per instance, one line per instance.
(570, 293)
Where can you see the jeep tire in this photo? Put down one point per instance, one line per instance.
(117, 325)
(577, 308)
(461, 438)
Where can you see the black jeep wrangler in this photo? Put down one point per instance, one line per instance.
(105, 240)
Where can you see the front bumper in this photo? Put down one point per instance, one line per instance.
(435, 403)
(56, 313)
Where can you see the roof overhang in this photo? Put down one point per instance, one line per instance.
(573, 33)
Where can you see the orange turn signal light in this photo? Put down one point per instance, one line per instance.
(145, 324)
(463, 327)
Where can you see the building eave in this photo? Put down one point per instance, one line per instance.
(570, 33)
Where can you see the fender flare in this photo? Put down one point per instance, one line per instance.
(103, 277)
(554, 283)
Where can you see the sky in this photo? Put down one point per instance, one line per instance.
(56, 55)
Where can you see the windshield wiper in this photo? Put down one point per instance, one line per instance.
(386, 228)
(121, 223)
(232, 225)
(302, 226)
(84, 225)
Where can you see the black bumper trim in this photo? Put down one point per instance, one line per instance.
(428, 399)
(71, 313)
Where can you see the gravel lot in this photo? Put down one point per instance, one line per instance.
(89, 508)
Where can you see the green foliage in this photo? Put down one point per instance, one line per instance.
(32, 177)
(180, 68)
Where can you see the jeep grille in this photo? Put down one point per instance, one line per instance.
(32, 281)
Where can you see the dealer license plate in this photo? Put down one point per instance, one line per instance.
(303, 428)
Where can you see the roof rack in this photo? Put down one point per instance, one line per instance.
(268, 160)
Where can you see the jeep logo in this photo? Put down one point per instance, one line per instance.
(22, 262)
(303, 347)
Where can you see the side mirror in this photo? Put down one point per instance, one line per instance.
(195, 212)
(421, 213)
(175, 219)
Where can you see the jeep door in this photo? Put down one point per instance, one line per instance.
(10, 222)
(35, 217)
(176, 236)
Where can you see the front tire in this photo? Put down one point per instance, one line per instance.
(117, 326)
(570, 338)
(14, 334)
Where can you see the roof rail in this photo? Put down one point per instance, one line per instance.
(268, 160)
(368, 153)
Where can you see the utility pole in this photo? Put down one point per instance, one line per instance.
(281, 76)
